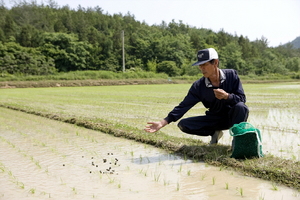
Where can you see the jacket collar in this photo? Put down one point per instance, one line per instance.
(222, 79)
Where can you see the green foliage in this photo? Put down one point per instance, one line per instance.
(87, 39)
(15, 59)
(168, 67)
(68, 53)
(293, 64)
(151, 66)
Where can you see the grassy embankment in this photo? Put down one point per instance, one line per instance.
(99, 78)
(122, 111)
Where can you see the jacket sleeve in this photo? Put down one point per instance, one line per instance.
(187, 103)
(236, 93)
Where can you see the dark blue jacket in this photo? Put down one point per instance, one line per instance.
(202, 91)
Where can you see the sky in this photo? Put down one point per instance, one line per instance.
(276, 20)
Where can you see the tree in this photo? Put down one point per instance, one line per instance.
(293, 64)
(15, 59)
(69, 54)
(230, 57)
(168, 67)
(10, 28)
(88, 39)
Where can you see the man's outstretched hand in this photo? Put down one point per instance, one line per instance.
(155, 126)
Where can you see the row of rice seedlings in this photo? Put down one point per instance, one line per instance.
(87, 137)
(13, 178)
(36, 162)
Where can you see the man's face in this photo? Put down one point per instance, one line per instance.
(208, 69)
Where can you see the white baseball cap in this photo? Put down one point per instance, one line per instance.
(206, 55)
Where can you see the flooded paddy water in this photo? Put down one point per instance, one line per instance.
(46, 159)
(42, 158)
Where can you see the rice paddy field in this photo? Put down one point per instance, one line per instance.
(42, 158)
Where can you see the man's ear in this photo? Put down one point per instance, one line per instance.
(216, 62)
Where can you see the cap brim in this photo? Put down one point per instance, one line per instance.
(200, 62)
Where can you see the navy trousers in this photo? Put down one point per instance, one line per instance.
(207, 125)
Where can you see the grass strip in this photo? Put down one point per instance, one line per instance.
(90, 82)
(106, 82)
(271, 168)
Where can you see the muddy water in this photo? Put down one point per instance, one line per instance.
(46, 159)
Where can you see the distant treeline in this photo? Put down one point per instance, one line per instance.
(47, 39)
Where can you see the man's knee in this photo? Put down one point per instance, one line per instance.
(181, 125)
(239, 113)
(241, 107)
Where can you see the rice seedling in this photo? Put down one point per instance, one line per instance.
(21, 185)
(166, 182)
(37, 163)
(74, 190)
(213, 180)
(296, 194)
(226, 185)
(148, 159)
(62, 182)
(10, 173)
(141, 170)
(145, 173)
(261, 197)
(111, 180)
(240, 191)
(2, 169)
(274, 187)
(141, 158)
(185, 157)
(178, 186)
(189, 172)
(180, 168)
(32, 191)
(157, 176)
(132, 153)
(160, 162)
